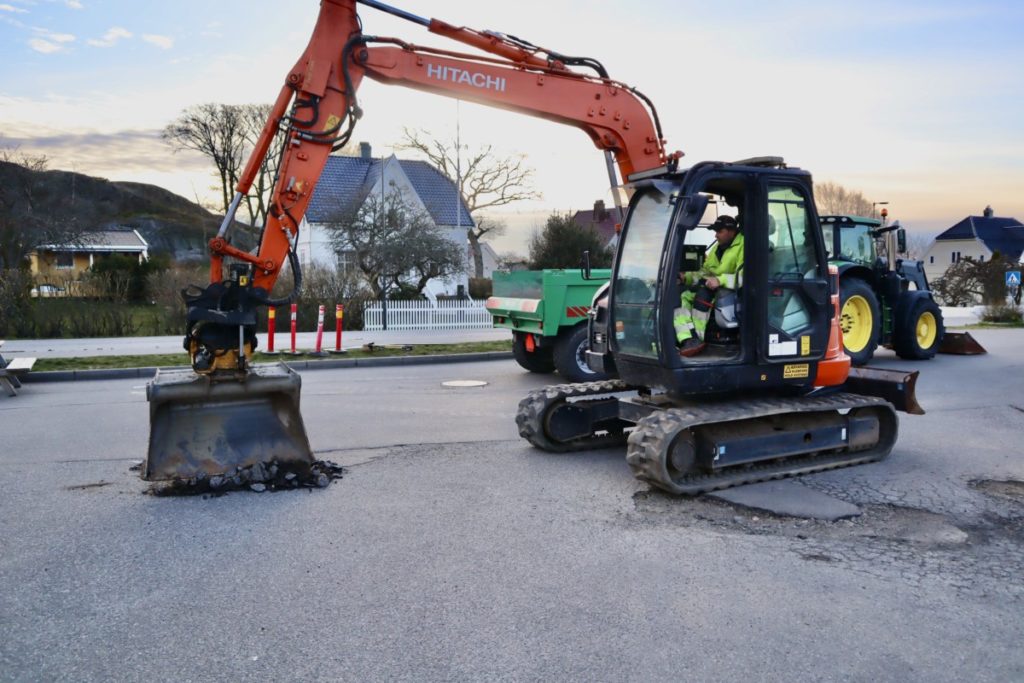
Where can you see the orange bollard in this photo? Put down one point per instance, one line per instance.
(295, 317)
(339, 316)
(271, 324)
(319, 331)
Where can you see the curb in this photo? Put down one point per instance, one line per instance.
(297, 365)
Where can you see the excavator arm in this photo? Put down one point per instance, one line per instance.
(228, 415)
(318, 108)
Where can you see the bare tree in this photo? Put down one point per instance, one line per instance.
(918, 244)
(509, 259)
(217, 132)
(394, 244)
(254, 116)
(36, 207)
(833, 198)
(485, 181)
(226, 135)
(969, 281)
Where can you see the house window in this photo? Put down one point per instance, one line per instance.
(982, 258)
(65, 259)
(346, 262)
(931, 259)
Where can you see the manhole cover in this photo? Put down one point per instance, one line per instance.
(463, 383)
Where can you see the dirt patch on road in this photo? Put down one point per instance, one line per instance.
(1009, 489)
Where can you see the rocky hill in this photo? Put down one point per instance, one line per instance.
(171, 224)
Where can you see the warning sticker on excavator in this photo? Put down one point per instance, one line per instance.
(332, 122)
(780, 348)
(805, 345)
(796, 371)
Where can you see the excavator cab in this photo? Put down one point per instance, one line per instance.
(771, 330)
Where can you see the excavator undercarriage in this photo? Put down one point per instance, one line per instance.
(692, 447)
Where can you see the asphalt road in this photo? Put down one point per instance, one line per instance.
(453, 551)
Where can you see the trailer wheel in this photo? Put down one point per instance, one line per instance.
(918, 334)
(539, 360)
(860, 318)
(571, 359)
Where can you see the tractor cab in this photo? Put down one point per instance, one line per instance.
(769, 330)
(851, 239)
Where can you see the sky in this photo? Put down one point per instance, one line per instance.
(916, 103)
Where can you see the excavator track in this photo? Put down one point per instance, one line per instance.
(534, 411)
(650, 443)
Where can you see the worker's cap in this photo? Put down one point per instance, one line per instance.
(724, 222)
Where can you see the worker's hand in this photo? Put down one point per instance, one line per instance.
(713, 283)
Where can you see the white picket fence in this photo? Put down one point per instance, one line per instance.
(427, 315)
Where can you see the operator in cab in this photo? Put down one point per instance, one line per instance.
(723, 267)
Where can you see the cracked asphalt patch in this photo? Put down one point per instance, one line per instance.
(979, 553)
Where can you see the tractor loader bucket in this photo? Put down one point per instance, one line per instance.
(961, 344)
(204, 429)
(898, 387)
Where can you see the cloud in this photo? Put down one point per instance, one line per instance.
(13, 9)
(74, 4)
(48, 42)
(118, 153)
(55, 37)
(111, 37)
(162, 42)
(44, 46)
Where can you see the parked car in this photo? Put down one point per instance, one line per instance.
(47, 290)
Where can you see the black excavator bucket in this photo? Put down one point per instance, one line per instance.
(898, 387)
(207, 429)
(961, 344)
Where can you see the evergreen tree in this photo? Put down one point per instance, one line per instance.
(562, 242)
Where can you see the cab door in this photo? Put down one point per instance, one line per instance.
(797, 307)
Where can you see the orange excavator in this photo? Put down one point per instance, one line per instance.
(772, 395)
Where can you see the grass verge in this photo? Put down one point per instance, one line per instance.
(181, 359)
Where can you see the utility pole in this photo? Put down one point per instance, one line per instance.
(381, 225)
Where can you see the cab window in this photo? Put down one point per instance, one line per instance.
(789, 240)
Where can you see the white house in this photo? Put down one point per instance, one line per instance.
(490, 258)
(347, 182)
(978, 237)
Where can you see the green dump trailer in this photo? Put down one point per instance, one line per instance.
(547, 313)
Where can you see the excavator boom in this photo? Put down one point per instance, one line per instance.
(216, 416)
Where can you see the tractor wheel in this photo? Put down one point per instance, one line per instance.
(860, 318)
(571, 358)
(918, 334)
(538, 360)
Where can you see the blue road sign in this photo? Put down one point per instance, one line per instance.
(1013, 278)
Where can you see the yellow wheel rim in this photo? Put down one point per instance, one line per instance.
(855, 321)
(926, 329)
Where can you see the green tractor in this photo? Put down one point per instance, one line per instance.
(885, 300)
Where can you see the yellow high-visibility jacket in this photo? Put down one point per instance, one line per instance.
(728, 269)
